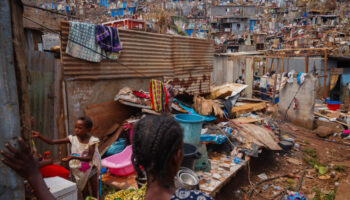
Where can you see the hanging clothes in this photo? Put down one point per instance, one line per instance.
(301, 78)
(291, 76)
(159, 97)
(82, 43)
(108, 39)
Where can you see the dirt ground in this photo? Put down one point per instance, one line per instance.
(324, 165)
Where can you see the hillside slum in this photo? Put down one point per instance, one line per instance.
(258, 89)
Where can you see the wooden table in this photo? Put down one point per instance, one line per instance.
(222, 171)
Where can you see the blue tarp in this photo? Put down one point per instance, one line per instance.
(252, 24)
(218, 139)
(120, 11)
(345, 79)
(190, 31)
(191, 111)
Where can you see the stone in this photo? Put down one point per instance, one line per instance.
(323, 131)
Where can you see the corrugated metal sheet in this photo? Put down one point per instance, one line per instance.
(41, 94)
(11, 185)
(188, 62)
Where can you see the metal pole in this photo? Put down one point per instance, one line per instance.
(325, 75)
(306, 63)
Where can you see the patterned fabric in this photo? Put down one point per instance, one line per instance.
(190, 194)
(132, 194)
(128, 194)
(159, 97)
(79, 149)
(108, 38)
(296, 196)
(81, 42)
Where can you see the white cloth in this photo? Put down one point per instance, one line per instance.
(302, 78)
(291, 76)
(263, 81)
(82, 149)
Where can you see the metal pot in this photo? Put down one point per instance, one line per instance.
(187, 179)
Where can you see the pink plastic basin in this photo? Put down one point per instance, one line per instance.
(120, 164)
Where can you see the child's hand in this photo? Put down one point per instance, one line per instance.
(35, 134)
(23, 162)
(67, 159)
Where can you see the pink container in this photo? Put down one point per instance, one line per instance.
(120, 164)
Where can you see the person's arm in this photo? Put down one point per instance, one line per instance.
(87, 158)
(27, 166)
(45, 162)
(36, 134)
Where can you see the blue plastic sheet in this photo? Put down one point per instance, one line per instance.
(218, 139)
(191, 111)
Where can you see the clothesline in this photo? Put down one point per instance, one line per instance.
(104, 56)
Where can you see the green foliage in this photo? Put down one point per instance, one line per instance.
(311, 161)
(310, 152)
(339, 168)
(319, 195)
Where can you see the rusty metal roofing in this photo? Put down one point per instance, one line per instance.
(187, 62)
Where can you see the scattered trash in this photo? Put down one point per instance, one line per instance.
(324, 177)
(262, 176)
(294, 161)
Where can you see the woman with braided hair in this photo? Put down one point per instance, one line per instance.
(158, 150)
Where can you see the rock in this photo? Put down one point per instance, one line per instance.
(323, 131)
(336, 128)
(324, 177)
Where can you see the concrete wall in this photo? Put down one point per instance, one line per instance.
(305, 95)
(228, 10)
(298, 64)
(228, 69)
(243, 26)
(81, 94)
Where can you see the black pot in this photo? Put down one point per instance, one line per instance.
(190, 155)
(286, 145)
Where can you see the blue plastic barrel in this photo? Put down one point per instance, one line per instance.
(192, 125)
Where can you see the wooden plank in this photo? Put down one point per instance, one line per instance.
(250, 107)
(21, 70)
(212, 185)
(342, 123)
(247, 120)
(325, 93)
(306, 63)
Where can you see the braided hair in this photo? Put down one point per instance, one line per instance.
(154, 142)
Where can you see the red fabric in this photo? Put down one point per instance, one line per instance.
(141, 94)
(54, 170)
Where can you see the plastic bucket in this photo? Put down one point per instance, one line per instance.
(191, 154)
(192, 125)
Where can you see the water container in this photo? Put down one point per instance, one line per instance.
(192, 125)
(61, 188)
(190, 155)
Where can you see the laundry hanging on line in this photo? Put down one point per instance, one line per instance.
(108, 39)
(93, 42)
(82, 42)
